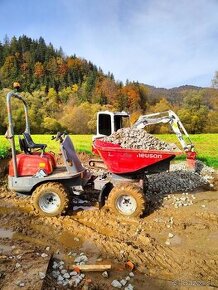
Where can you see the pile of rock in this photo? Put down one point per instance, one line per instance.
(138, 139)
(175, 181)
(125, 282)
(64, 277)
(181, 179)
(69, 278)
(185, 200)
(81, 259)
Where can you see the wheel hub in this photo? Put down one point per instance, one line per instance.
(126, 204)
(49, 202)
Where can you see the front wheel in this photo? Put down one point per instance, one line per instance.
(50, 199)
(127, 199)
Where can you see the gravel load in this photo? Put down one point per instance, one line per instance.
(138, 139)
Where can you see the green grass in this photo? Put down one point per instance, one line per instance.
(82, 143)
(4, 147)
(206, 145)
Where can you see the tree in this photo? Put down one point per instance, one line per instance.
(212, 122)
(51, 125)
(88, 86)
(194, 113)
(38, 70)
(80, 119)
(52, 102)
(143, 91)
(40, 50)
(9, 71)
(161, 106)
(132, 92)
(14, 47)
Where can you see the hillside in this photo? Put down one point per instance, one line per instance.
(36, 64)
(60, 89)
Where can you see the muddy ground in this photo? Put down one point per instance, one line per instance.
(171, 247)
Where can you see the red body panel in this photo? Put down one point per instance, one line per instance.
(50, 155)
(30, 164)
(120, 160)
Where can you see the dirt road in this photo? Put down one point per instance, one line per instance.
(172, 246)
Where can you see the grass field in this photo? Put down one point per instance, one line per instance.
(206, 145)
(82, 143)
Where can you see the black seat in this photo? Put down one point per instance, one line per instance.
(30, 144)
(23, 145)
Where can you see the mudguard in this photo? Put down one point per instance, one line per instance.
(104, 193)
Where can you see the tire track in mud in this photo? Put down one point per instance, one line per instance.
(141, 248)
(122, 244)
(115, 237)
(158, 260)
(207, 268)
(147, 256)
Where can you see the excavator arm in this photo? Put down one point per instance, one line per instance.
(169, 117)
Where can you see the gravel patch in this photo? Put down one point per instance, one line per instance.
(181, 179)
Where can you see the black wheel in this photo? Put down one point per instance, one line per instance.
(127, 199)
(50, 199)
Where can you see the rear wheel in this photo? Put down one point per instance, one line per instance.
(127, 199)
(50, 199)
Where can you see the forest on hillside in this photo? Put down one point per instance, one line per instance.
(65, 92)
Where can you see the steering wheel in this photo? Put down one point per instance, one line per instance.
(59, 136)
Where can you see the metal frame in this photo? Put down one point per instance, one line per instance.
(72, 175)
(10, 134)
(29, 183)
(112, 115)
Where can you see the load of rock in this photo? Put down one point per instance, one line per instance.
(138, 139)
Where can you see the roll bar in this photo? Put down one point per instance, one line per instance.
(10, 132)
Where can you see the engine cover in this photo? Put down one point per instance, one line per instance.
(30, 164)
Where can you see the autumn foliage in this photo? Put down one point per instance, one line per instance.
(66, 92)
